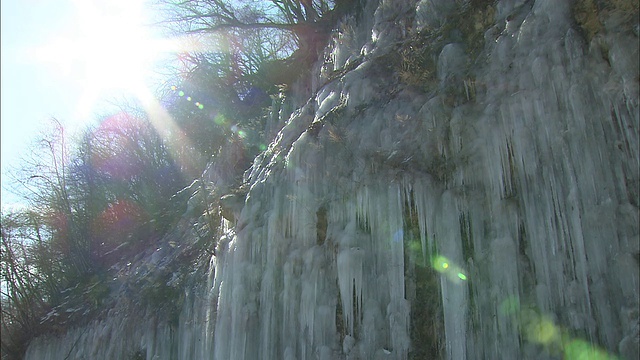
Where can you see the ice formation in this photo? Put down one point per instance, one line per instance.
(518, 173)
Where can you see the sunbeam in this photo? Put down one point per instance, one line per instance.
(108, 50)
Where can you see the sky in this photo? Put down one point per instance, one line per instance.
(71, 60)
(28, 90)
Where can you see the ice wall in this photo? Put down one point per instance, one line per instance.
(130, 330)
(129, 335)
(499, 193)
(117, 337)
(520, 168)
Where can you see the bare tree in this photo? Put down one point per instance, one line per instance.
(21, 282)
(264, 30)
(210, 16)
(43, 178)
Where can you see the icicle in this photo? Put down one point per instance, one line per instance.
(350, 283)
(524, 193)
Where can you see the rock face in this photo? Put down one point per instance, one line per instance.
(462, 184)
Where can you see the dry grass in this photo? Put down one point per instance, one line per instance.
(419, 53)
(591, 15)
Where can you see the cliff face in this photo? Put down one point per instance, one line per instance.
(462, 183)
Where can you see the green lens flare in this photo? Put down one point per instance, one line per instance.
(580, 349)
(510, 306)
(462, 276)
(219, 120)
(440, 263)
(181, 93)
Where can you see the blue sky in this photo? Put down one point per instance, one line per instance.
(30, 93)
(62, 84)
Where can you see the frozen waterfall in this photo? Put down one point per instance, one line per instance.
(491, 213)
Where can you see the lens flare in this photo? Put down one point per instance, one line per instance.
(543, 331)
(540, 329)
(181, 93)
(510, 306)
(579, 349)
(440, 263)
(106, 49)
(220, 120)
(453, 272)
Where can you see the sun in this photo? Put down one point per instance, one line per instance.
(108, 50)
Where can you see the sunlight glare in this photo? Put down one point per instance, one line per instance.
(107, 51)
